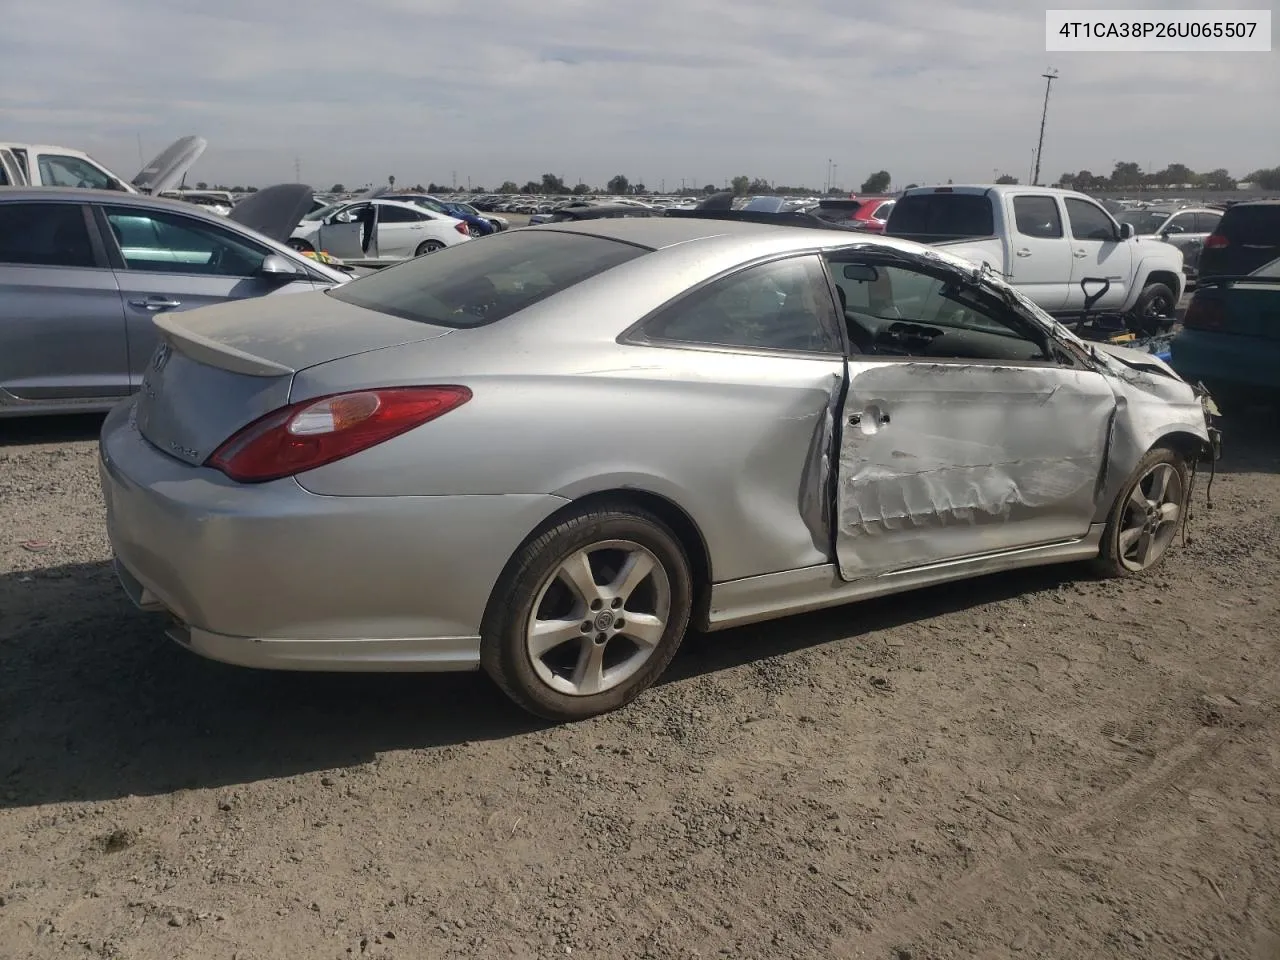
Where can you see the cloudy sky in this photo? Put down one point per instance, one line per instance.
(668, 89)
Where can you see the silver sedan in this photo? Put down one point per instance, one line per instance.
(549, 452)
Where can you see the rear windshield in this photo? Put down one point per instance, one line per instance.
(474, 283)
(930, 217)
(1259, 225)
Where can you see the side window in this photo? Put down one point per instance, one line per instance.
(398, 215)
(883, 211)
(1207, 222)
(163, 242)
(44, 234)
(782, 305)
(1037, 217)
(351, 214)
(1089, 221)
(1185, 221)
(894, 311)
(60, 171)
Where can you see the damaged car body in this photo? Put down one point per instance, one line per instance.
(547, 454)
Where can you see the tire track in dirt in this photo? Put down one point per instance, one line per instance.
(1179, 768)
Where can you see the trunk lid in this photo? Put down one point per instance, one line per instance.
(167, 170)
(219, 368)
(274, 212)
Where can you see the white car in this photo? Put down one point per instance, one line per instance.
(376, 231)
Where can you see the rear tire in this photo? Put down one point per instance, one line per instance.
(588, 614)
(428, 246)
(1154, 310)
(1146, 516)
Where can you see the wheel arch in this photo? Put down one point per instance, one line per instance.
(681, 523)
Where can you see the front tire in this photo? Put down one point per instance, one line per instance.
(428, 246)
(1154, 310)
(588, 614)
(1146, 516)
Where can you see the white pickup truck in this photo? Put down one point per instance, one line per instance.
(43, 165)
(1045, 242)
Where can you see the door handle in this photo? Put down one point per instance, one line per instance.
(155, 303)
(1024, 252)
(1080, 254)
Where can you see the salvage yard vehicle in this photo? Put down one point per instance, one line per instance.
(548, 453)
(377, 231)
(1230, 337)
(41, 165)
(85, 273)
(1185, 227)
(1045, 241)
(1247, 236)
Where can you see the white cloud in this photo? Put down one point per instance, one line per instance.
(694, 89)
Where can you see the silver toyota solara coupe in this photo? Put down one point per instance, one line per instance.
(549, 452)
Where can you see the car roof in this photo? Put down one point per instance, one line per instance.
(86, 195)
(658, 233)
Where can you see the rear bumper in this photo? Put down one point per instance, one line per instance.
(1226, 360)
(269, 575)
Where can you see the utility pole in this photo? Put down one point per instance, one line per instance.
(835, 175)
(1049, 77)
(455, 181)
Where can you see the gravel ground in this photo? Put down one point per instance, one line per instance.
(1028, 765)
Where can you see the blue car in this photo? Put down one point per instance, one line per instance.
(477, 224)
(1230, 337)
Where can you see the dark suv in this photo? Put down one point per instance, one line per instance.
(1247, 236)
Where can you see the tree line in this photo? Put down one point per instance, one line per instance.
(1125, 176)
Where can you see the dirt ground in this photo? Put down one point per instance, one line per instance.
(1030, 765)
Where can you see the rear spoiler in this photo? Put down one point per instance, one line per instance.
(759, 216)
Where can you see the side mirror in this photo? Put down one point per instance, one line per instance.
(860, 271)
(277, 266)
(1126, 231)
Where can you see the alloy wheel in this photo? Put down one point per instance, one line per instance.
(1151, 516)
(598, 617)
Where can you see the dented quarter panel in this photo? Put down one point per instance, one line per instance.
(973, 459)
(1150, 408)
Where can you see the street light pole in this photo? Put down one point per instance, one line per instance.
(1048, 83)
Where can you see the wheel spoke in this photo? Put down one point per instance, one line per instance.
(588, 675)
(637, 566)
(1159, 483)
(546, 635)
(644, 628)
(576, 572)
(1145, 541)
(1128, 538)
(1137, 501)
(1169, 513)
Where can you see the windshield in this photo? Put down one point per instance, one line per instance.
(929, 217)
(1145, 222)
(323, 212)
(473, 284)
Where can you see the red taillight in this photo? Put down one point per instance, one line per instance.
(1215, 241)
(461, 227)
(309, 434)
(1204, 314)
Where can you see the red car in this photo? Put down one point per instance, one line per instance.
(865, 213)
